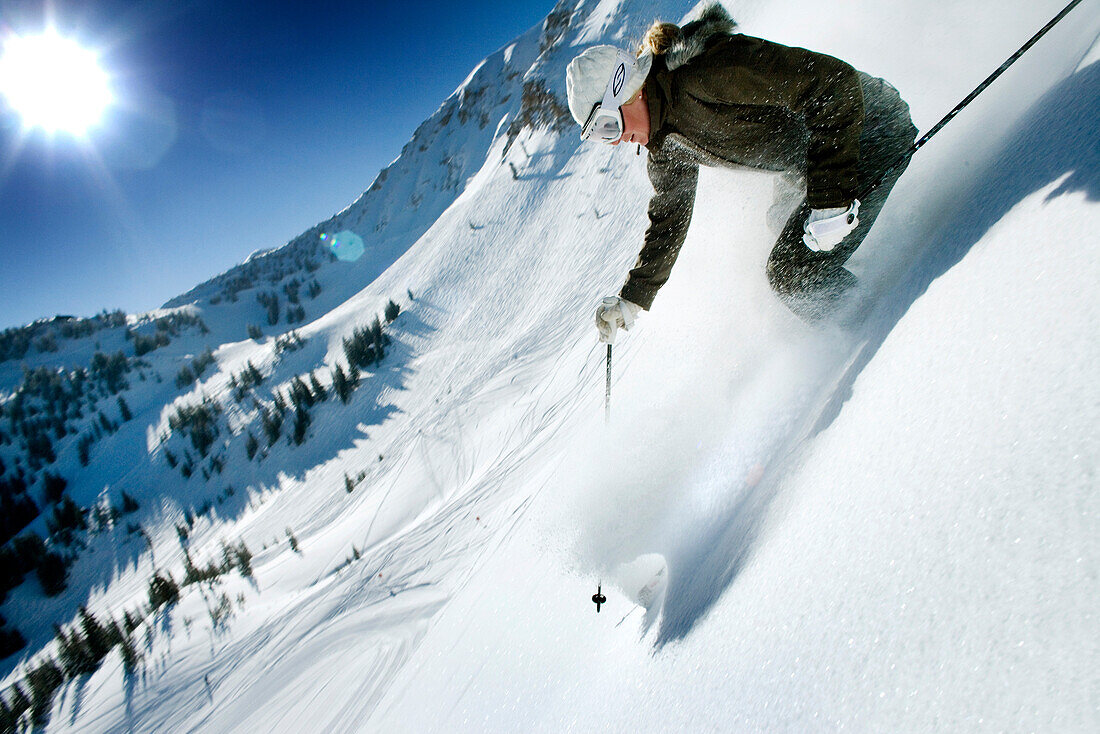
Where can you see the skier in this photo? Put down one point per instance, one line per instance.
(703, 94)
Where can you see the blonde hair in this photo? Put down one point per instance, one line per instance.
(659, 38)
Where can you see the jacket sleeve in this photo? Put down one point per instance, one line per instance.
(670, 210)
(822, 90)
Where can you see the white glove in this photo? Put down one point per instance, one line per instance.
(827, 228)
(614, 313)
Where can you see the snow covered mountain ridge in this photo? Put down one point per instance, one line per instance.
(312, 495)
(99, 410)
(497, 100)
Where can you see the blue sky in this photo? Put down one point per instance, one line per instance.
(238, 124)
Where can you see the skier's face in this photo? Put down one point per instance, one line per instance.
(635, 121)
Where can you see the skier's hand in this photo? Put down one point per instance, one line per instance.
(614, 313)
(827, 228)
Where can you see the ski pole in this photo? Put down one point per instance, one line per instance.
(607, 393)
(970, 97)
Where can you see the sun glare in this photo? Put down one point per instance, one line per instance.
(53, 83)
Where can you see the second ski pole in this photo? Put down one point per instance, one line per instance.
(607, 392)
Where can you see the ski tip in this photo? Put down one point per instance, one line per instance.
(644, 579)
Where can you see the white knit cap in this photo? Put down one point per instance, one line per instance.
(588, 74)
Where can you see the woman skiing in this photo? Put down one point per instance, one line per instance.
(705, 95)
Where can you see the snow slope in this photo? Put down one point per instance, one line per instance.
(886, 526)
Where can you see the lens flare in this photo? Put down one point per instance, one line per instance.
(345, 245)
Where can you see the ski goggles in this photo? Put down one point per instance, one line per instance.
(605, 122)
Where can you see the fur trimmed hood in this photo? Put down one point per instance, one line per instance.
(713, 21)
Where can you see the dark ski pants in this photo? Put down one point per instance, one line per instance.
(810, 282)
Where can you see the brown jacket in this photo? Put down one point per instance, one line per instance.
(722, 99)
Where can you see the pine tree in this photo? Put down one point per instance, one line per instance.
(272, 421)
(44, 680)
(251, 446)
(341, 385)
(114, 634)
(195, 574)
(184, 378)
(243, 557)
(29, 550)
(67, 517)
(358, 348)
(129, 504)
(124, 409)
(53, 487)
(378, 340)
(73, 655)
(300, 394)
(301, 425)
(270, 301)
(95, 635)
(84, 448)
(52, 572)
(162, 590)
(19, 702)
(7, 718)
(319, 392)
(201, 362)
(131, 658)
(11, 640)
(130, 622)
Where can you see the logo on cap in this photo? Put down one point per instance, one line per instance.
(620, 79)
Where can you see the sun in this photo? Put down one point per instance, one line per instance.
(54, 83)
